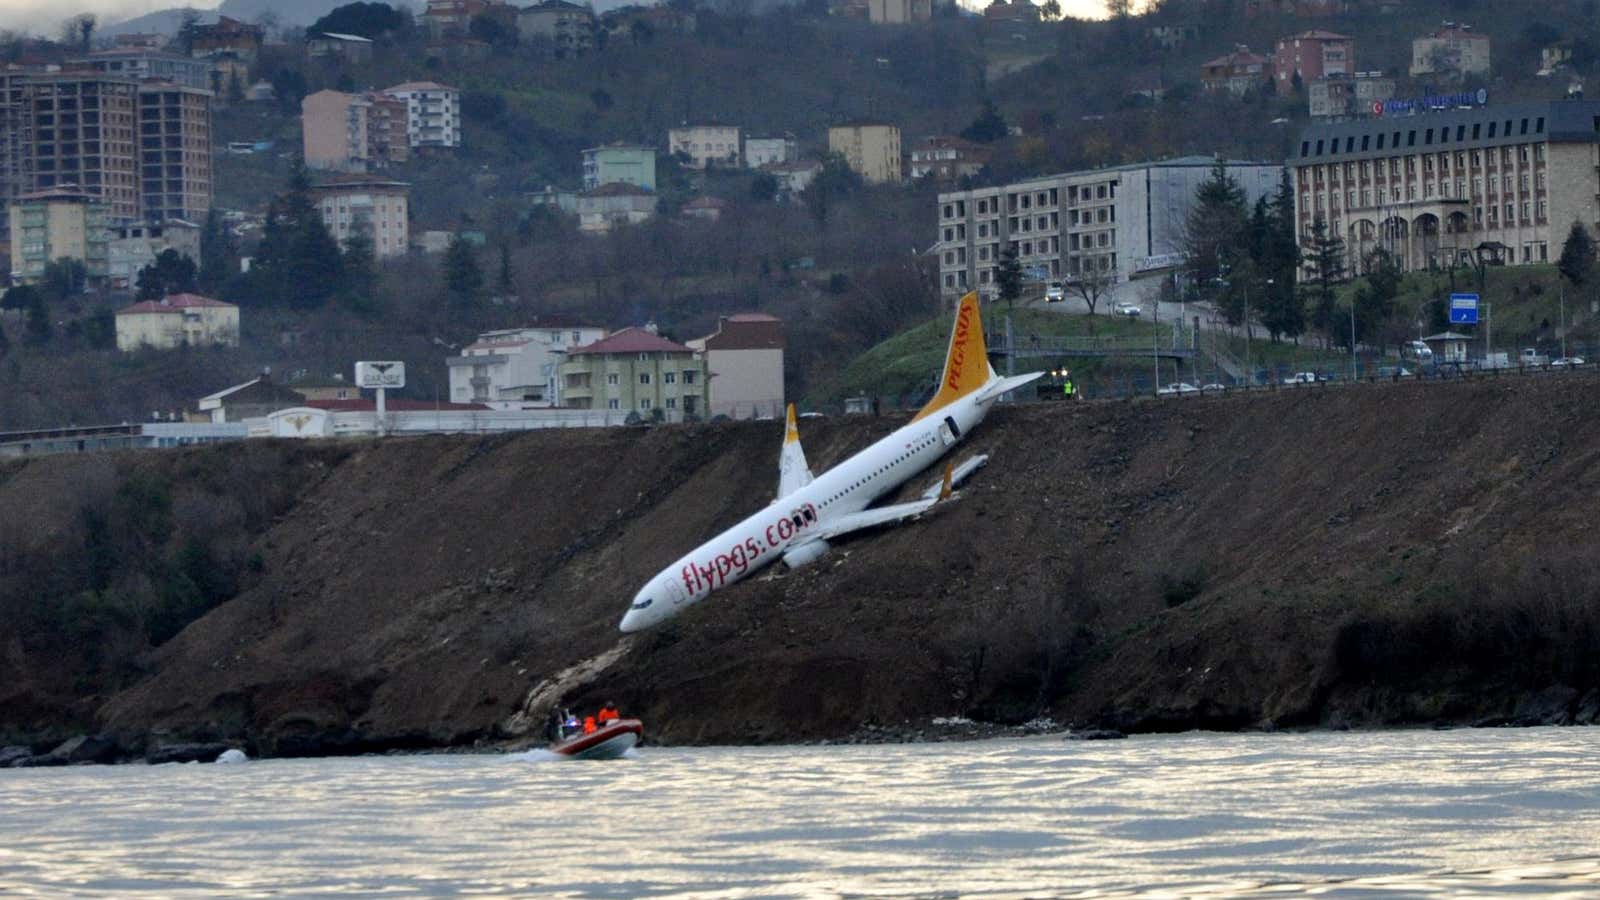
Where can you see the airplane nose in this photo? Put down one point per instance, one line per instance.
(632, 621)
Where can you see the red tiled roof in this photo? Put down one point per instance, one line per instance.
(174, 303)
(632, 340)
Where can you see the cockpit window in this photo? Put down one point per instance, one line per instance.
(643, 603)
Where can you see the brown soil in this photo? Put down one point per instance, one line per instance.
(1322, 556)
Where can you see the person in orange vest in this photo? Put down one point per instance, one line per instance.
(588, 725)
(608, 713)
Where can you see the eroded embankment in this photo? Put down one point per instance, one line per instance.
(1383, 554)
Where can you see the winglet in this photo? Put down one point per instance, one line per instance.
(791, 433)
(944, 489)
(966, 362)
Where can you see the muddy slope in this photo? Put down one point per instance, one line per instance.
(1394, 553)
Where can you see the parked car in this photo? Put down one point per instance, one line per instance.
(1567, 361)
(1124, 308)
(1301, 378)
(1178, 387)
(1053, 292)
(1213, 387)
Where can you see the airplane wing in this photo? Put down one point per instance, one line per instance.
(871, 518)
(793, 473)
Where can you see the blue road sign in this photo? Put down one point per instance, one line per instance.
(1463, 309)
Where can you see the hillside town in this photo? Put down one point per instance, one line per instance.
(144, 219)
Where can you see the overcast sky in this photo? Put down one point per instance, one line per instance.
(44, 16)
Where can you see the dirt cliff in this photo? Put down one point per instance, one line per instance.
(1321, 556)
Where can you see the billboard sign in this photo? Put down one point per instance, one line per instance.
(1463, 309)
(1479, 97)
(388, 374)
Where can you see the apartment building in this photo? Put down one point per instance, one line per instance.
(1452, 50)
(947, 158)
(1311, 55)
(635, 370)
(134, 245)
(568, 27)
(899, 12)
(763, 151)
(515, 368)
(872, 150)
(744, 366)
(1341, 97)
(85, 134)
(1111, 224)
(176, 321)
(60, 222)
(433, 114)
(174, 152)
(16, 137)
(706, 144)
(387, 140)
(1438, 188)
(374, 207)
(619, 164)
(144, 64)
(333, 131)
(1237, 73)
(614, 205)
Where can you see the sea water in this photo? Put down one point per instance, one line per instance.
(1470, 812)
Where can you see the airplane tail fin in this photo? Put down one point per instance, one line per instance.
(966, 362)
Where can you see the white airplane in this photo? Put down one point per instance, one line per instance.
(810, 511)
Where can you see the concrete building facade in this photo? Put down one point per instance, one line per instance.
(174, 152)
(614, 205)
(1504, 182)
(706, 145)
(144, 64)
(1237, 73)
(899, 12)
(333, 131)
(1111, 224)
(872, 150)
(947, 158)
(1339, 97)
(619, 164)
(635, 370)
(375, 207)
(64, 108)
(62, 222)
(1453, 50)
(433, 114)
(744, 362)
(764, 151)
(134, 245)
(567, 26)
(1311, 55)
(515, 368)
(175, 321)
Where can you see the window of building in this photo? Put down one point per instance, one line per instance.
(1524, 127)
(1100, 192)
(613, 378)
(688, 376)
(1511, 213)
(644, 404)
(1538, 152)
(1428, 137)
(1542, 247)
(1522, 153)
(644, 377)
(669, 377)
(1527, 211)
(1380, 142)
(613, 403)
(672, 403)
(1491, 130)
(1543, 209)
(1461, 132)
(1477, 215)
(949, 281)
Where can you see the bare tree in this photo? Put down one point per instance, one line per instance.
(1092, 285)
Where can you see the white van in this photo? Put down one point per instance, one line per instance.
(1416, 350)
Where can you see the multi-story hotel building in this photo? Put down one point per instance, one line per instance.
(1439, 187)
(1108, 223)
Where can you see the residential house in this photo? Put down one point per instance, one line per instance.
(369, 206)
(516, 367)
(1454, 50)
(708, 208)
(899, 12)
(568, 27)
(706, 145)
(324, 387)
(761, 151)
(793, 177)
(635, 370)
(946, 158)
(177, 320)
(744, 362)
(1554, 58)
(1311, 55)
(619, 164)
(872, 149)
(637, 23)
(333, 129)
(51, 224)
(226, 35)
(350, 48)
(1237, 73)
(433, 114)
(451, 18)
(134, 245)
(612, 205)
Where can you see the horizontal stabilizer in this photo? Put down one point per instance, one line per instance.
(996, 388)
(957, 475)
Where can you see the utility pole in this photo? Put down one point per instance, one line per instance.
(1155, 339)
(1563, 321)
(1352, 338)
(1249, 373)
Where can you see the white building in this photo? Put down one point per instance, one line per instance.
(433, 113)
(613, 205)
(516, 368)
(744, 366)
(761, 151)
(175, 321)
(1116, 223)
(706, 145)
(375, 207)
(134, 245)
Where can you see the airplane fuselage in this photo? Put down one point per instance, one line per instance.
(791, 526)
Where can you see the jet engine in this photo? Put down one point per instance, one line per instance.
(809, 552)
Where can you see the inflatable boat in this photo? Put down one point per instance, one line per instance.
(609, 741)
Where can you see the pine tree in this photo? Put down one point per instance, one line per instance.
(1324, 262)
(171, 273)
(360, 266)
(1008, 275)
(463, 278)
(298, 263)
(217, 255)
(1215, 231)
(505, 285)
(1577, 255)
(37, 323)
